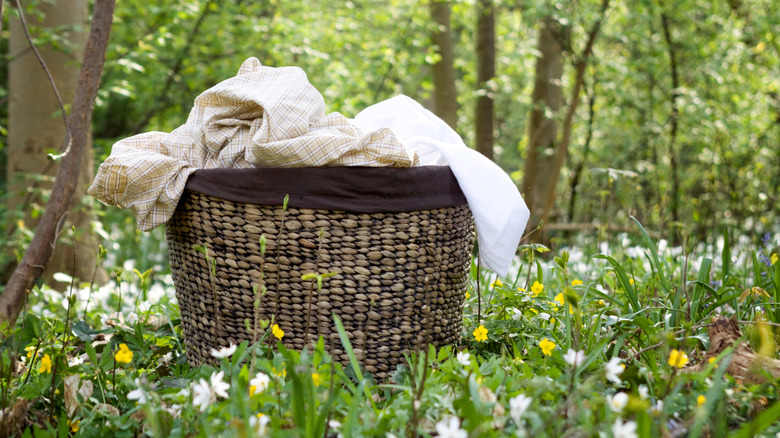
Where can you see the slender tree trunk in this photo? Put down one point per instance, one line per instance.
(674, 206)
(546, 156)
(41, 248)
(486, 70)
(36, 128)
(543, 130)
(445, 94)
(577, 172)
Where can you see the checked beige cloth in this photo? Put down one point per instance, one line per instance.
(264, 116)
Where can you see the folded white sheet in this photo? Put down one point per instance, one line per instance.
(500, 214)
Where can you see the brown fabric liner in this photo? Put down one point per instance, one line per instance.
(359, 189)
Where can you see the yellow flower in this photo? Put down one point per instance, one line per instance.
(496, 283)
(552, 320)
(773, 259)
(45, 364)
(30, 350)
(123, 355)
(559, 298)
(576, 282)
(700, 400)
(547, 346)
(602, 303)
(521, 289)
(279, 333)
(316, 379)
(281, 374)
(678, 359)
(74, 426)
(537, 288)
(480, 333)
(631, 281)
(533, 310)
(468, 295)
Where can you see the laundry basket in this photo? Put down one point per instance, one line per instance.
(393, 245)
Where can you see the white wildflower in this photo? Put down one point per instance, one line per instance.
(259, 383)
(544, 315)
(138, 394)
(224, 351)
(464, 358)
(617, 402)
(334, 424)
(613, 369)
(132, 318)
(218, 385)
(144, 306)
(574, 358)
(165, 359)
(450, 429)
(624, 430)
(518, 405)
(657, 409)
(203, 395)
(643, 392)
(75, 361)
(260, 423)
(516, 314)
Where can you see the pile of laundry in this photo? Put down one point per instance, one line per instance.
(273, 117)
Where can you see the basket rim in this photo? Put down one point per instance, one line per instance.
(358, 189)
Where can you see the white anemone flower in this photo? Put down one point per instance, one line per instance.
(613, 369)
(617, 402)
(260, 382)
(464, 358)
(224, 351)
(624, 430)
(260, 423)
(219, 386)
(450, 428)
(203, 396)
(518, 405)
(138, 394)
(574, 358)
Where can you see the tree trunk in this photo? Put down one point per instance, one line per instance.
(543, 130)
(41, 248)
(546, 156)
(674, 206)
(445, 94)
(486, 70)
(36, 127)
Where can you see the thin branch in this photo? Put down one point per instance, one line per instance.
(69, 137)
(163, 93)
(40, 250)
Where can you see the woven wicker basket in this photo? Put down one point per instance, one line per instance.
(398, 240)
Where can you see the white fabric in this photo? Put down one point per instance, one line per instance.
(500, 214)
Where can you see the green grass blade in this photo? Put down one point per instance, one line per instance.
(654, 255)
(699, 292)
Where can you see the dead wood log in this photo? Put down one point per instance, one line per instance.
(745, 364)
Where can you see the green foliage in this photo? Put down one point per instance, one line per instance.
(522, 378)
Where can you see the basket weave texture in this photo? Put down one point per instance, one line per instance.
(399, 284)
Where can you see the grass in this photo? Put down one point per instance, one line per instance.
(627, 308)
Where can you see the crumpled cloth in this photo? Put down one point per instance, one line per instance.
(264, 116)
(273, 117)
(500, 214)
